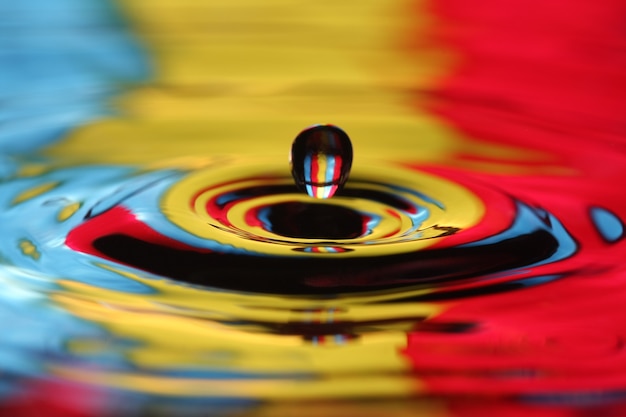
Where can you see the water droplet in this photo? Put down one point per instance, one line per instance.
(321, 158)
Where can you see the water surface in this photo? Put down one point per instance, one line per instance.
(157, 257)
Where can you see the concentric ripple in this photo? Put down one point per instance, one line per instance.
(257, 209)
(245, 227)
(147, 271)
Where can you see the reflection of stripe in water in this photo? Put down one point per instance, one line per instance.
(61, 72)
(307, 174)
(330, 175)
(223, 84)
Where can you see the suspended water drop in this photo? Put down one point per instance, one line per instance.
(321, 158)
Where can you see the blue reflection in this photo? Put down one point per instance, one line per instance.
(60, 62)
(529, 219)
(608, 224)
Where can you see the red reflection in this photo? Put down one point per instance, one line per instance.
(117, 221)
(56, 399)
(549, 76)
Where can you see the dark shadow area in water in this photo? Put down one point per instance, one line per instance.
(315, 221)
(309, 330)
(327, 276)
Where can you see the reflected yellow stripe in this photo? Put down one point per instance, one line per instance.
(68, 211)
(179, 328)
(177, 342)
(294, 389)
(28, 248)
(322, 166)
(35, 191)
(245, 77)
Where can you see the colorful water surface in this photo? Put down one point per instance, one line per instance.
(157, 257)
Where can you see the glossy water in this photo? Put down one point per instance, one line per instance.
(321, 159)
(157, 257)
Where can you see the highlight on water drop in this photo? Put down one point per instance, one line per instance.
(321, 158)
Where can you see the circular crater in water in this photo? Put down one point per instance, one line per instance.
(391, 227)
(257, 210)
(314, 221)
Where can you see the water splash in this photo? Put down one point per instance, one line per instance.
(321, 158)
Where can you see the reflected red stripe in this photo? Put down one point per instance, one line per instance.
(550, 76)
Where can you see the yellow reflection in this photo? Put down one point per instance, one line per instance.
(34, 192)
(245, 77)
(177, 327)
(28, 248)
(268, 389)
(68, 211)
